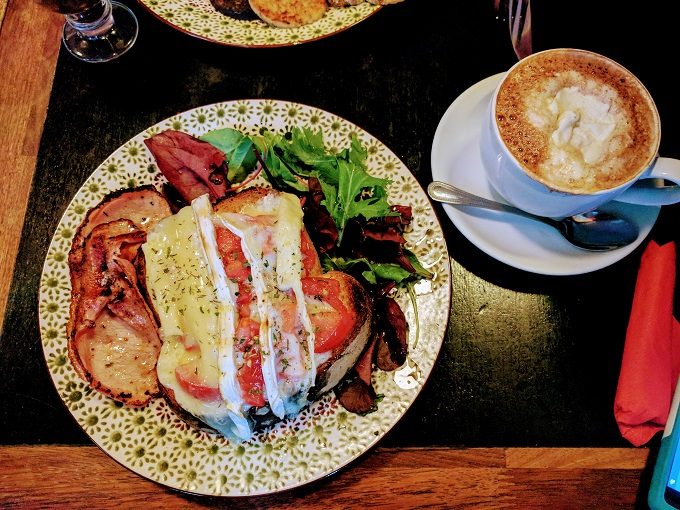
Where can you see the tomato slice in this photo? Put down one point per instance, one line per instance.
(288, 312)
(229, 246)
(246, 330)
(309, 256)
(331, 327)
(244, 298)
(188, 379)
(249, 375)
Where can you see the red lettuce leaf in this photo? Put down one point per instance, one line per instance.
(391, 330)
(193, 167)
(318, 221)
(356, 396)
(380, 240)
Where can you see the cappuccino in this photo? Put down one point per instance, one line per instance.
(577, 121)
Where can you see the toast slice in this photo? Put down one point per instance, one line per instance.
(332, 365)
(240, 201)
(332, 305)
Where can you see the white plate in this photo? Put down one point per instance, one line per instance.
(516, 241)
(154, 441)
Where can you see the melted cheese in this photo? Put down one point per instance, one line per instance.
(195, 302)
(227, 313)
(270, 238)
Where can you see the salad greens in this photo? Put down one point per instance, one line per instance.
(355, 194)
(349, 190)
(374, 272)
(291, 159)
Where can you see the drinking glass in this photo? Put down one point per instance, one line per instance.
(96, 30)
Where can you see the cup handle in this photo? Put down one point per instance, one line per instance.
(650, 189)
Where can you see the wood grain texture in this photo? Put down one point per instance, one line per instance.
(3, 10)
(573, 458)
(29, 44)
(84, 477)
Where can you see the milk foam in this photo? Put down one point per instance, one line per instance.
(585, 122)
(578, 122)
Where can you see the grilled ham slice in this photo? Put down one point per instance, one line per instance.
(114, 342)
(112, 333)
(144, 206)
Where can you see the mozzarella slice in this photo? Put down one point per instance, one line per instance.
(227, 313)
(270, 238)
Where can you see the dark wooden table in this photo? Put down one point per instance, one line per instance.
(518, 410)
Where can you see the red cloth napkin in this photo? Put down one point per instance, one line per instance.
(651, 354)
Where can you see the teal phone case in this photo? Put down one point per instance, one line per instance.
(668, 453)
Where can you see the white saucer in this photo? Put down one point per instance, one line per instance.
(516, 241)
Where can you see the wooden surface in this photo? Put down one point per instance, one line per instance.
(82, 476)
(30, 34)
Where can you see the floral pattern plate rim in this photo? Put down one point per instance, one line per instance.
(154, 441)
(200, 19)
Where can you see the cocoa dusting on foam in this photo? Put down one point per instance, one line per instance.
(578, 121)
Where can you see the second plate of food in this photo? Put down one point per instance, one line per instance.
(202, 19)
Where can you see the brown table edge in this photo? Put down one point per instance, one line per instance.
(386, 477)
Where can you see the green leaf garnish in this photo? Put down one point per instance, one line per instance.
(305, 152)
(373, 272)
(238, 149)
(358, 194)
(277, 171)
(349, 190)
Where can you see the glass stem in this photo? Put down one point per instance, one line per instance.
(94, 22)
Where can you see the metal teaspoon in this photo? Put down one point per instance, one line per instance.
(594, 230)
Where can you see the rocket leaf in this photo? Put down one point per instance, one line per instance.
(357, 194)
